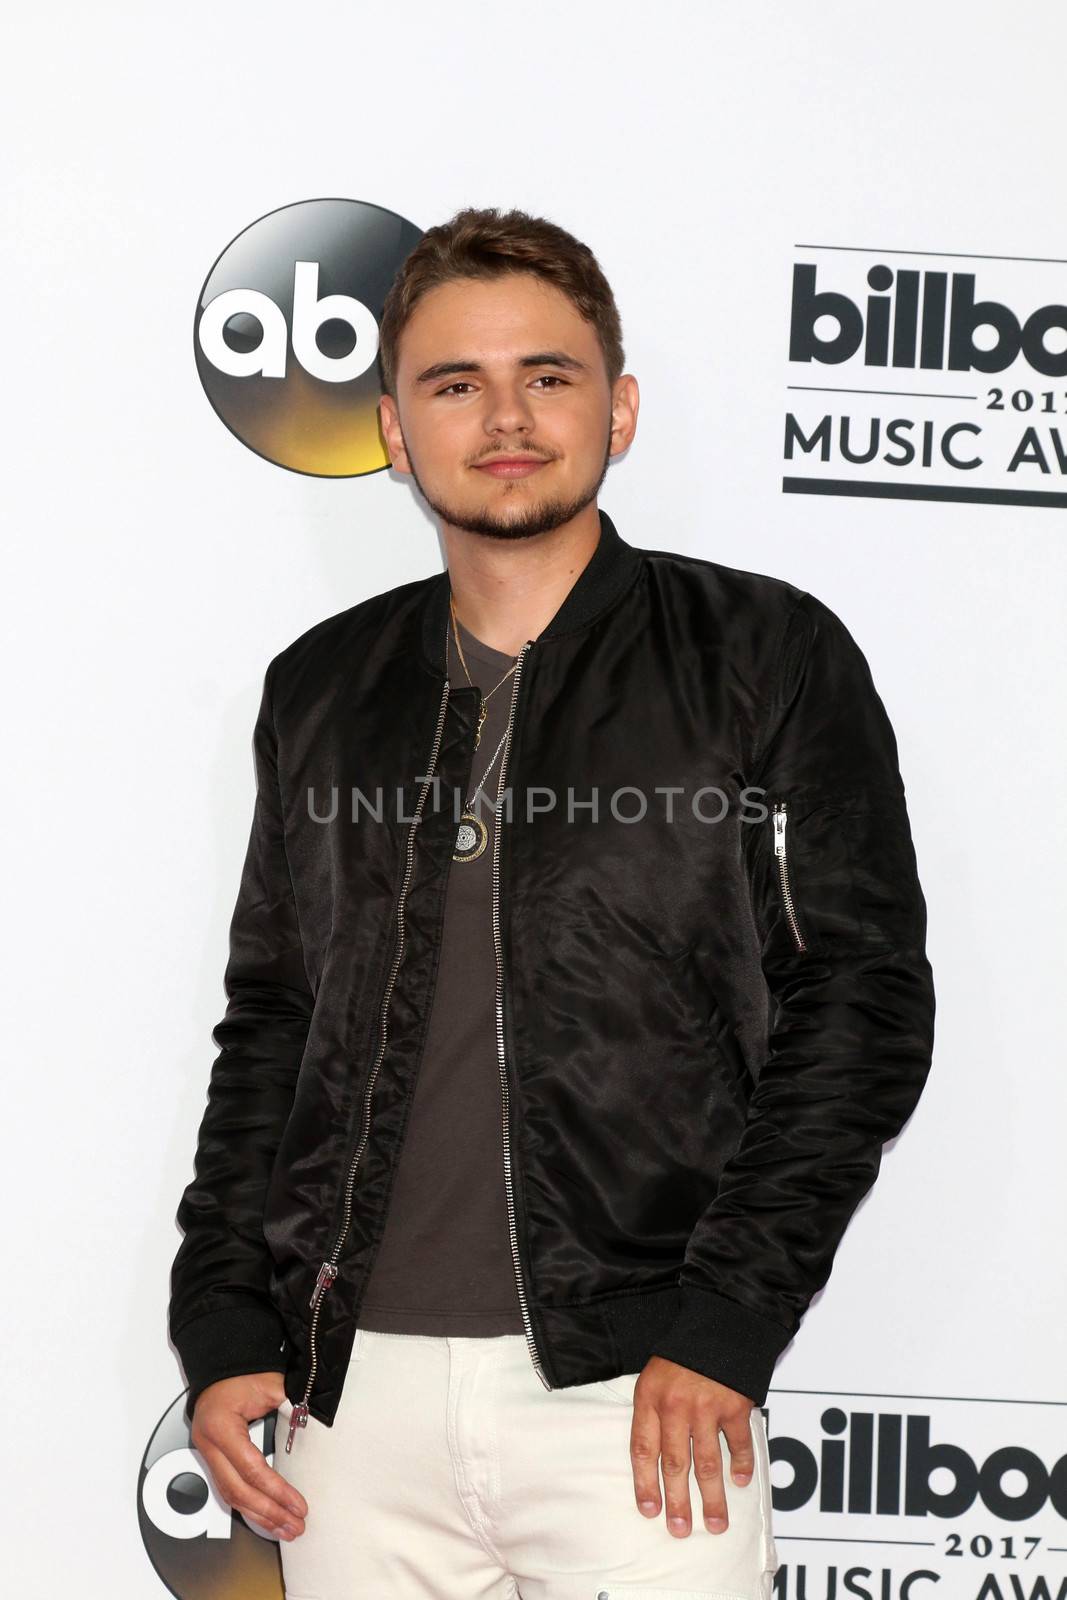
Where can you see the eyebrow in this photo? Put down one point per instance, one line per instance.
(542, 358)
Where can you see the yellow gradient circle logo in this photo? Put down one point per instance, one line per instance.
(286, 333)
(200, 1547)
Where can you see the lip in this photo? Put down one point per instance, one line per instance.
(512, 466)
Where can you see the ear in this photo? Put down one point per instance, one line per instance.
(625, 401)
(392, 433)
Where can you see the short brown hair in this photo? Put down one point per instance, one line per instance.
(488, 244)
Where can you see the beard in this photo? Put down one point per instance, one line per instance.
(540, 517)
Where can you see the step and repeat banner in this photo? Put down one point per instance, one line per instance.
(840, 255)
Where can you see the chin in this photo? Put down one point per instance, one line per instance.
(527, 523)
(511, 518)
(513, 513)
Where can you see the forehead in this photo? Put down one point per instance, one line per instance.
(494, 319)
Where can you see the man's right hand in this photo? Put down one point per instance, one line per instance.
(221, 1419)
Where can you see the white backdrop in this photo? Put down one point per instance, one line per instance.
(153, 566)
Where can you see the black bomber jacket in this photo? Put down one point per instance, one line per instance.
(713, 1004)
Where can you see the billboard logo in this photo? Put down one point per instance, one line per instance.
(895, 1468)
(904, 1497)
(942, 337)
(286, 333)
(910, 381)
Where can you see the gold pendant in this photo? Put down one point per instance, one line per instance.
(471, 839)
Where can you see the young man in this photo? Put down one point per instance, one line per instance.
(577, 977)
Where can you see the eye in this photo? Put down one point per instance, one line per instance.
(550, 377)
(459, 384)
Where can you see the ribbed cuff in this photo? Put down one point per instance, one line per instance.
(723, 1340)
(227, 1344)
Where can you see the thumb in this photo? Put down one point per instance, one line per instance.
(260, 1393)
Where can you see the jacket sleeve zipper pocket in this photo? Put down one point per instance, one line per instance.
(780, 815)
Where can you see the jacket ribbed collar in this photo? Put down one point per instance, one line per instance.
(605, 577)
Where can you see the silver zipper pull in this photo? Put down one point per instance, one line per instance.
(327, 1273)
(779, 828)
(783, 875)
(298, 1418)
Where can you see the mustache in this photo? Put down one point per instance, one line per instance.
(527, 450)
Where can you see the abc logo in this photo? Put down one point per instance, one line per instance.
(286, 333)
(199, 1547)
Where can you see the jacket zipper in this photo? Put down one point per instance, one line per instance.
(329, 1268)
(783, 873)
(501, 1062)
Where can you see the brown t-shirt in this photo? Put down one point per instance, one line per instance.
(444, 1263)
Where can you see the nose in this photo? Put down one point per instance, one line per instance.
(507, 409)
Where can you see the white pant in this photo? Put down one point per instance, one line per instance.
(451, 1473)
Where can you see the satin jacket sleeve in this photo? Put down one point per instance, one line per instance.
(851, 1008)
(221, 1317)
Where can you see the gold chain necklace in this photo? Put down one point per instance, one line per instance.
(482, 710)
(473, 834)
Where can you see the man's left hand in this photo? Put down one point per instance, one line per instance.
(673, 1405)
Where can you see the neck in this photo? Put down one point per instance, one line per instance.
(506, 590)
